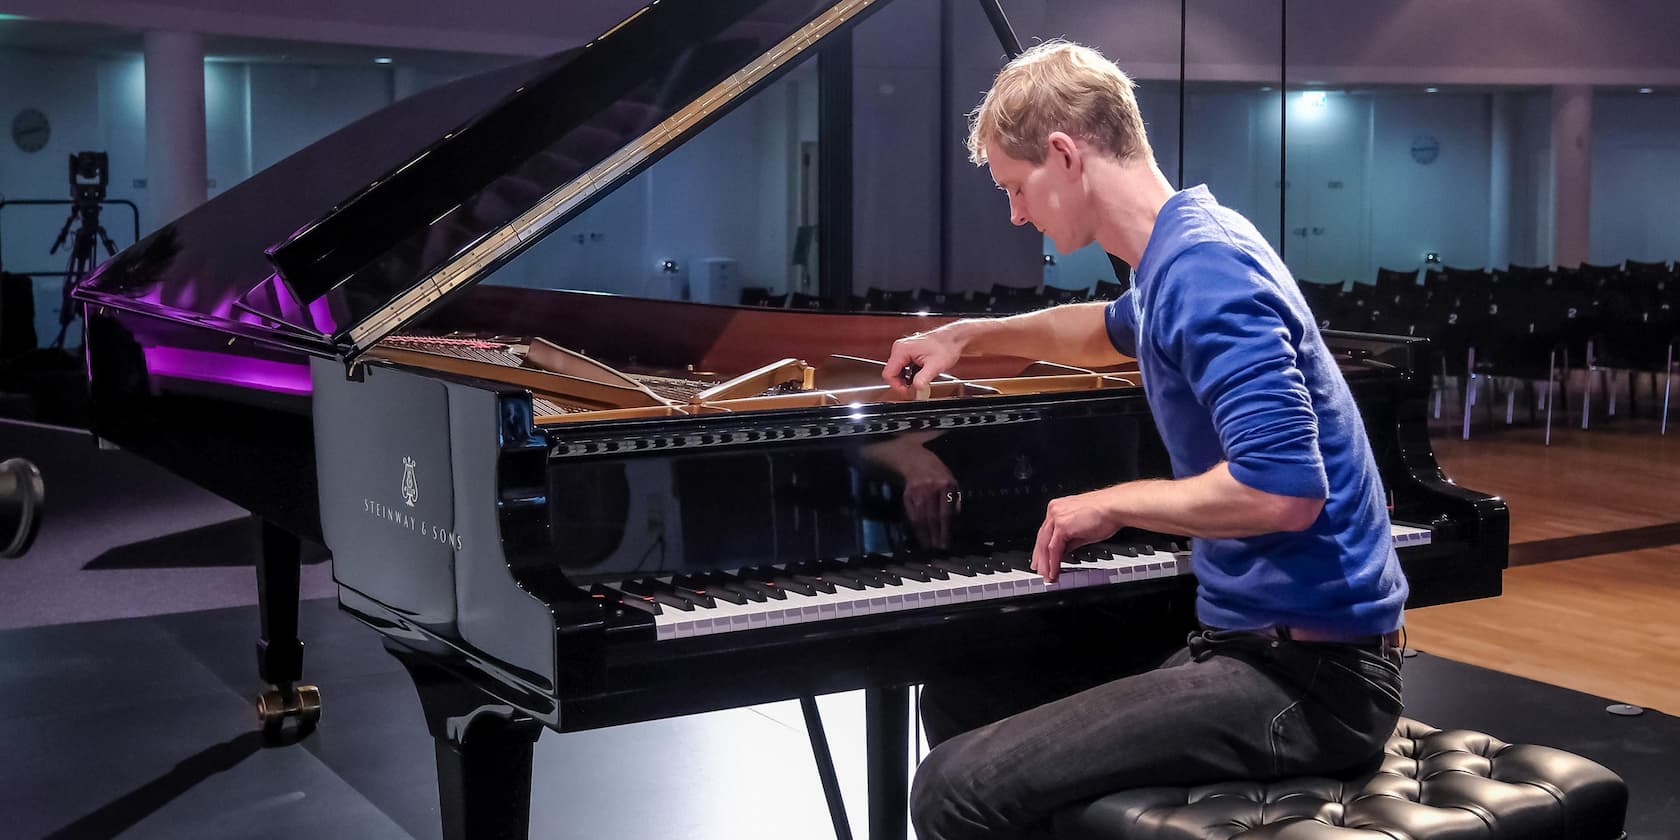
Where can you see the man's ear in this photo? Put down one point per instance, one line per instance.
(1064, 151)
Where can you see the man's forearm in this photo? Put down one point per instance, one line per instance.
(1211, 505)
(1074, 334)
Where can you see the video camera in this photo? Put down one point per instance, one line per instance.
(90, 174)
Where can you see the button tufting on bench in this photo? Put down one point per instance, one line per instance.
(1432, 783)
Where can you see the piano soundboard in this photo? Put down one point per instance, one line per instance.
(569, 386)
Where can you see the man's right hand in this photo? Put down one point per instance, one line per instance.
(928, 354)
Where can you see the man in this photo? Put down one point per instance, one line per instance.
(1297, 669)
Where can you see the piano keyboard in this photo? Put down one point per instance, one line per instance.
(707, 603)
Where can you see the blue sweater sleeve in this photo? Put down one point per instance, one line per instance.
(1121, 320)
(1236, 341)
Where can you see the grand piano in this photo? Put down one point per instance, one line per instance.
(568, 510)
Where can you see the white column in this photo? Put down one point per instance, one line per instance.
(1571, 174)
(176, 174)
(1503, 143)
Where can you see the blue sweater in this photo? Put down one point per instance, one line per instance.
(1235, 370)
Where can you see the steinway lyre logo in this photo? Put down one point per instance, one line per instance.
(410, 489)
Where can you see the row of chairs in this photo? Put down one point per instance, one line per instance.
(999, 300)
(1529, 324)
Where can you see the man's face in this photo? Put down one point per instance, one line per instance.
(1047, 195)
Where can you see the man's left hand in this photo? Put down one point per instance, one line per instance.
(1071, 522)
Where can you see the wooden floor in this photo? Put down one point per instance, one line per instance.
(1605, 619)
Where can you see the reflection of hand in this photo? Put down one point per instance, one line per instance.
(929, 490)
(1071, 522)
(929, 354)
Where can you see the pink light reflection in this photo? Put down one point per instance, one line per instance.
(207, 366)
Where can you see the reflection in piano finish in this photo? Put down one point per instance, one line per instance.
(575, 510)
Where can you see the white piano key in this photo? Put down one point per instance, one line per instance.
(1109, 568)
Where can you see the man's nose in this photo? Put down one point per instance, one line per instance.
(1017, 213)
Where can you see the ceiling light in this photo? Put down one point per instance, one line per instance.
(382, 60)
(1644, 90)
(1431, 90)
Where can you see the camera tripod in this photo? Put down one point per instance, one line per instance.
(84, 216)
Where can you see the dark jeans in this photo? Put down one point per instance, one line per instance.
(1232, 705)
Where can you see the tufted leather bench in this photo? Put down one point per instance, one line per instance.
(1432, 785)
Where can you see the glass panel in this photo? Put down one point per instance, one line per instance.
(729, 215)
(1232, 137)
(466, 191)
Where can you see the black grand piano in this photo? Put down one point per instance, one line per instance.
(574, 510)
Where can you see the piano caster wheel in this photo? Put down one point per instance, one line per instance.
(301, 703)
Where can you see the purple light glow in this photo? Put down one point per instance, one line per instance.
(246, 372)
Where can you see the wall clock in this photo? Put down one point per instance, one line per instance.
(30, 130)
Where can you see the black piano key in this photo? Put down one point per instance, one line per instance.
(953, 566)
(1125, 550)
(928, 569)
(726, 581)
(624, 599)
(659, 592)
(782, 580)
(905, 570)
(833, 573)
(1018, 561)
(696, 591)
(815, 584)
(875, 566)
(813, 574)
(980, 563)
(765, 589)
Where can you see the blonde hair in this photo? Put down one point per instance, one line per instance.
(1058, 86)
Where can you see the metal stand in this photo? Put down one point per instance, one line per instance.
(825, 768)
(887, 723)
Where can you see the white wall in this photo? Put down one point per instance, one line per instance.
(1636, 178)
(88, 105)
(254, 114)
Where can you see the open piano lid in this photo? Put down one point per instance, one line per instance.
(425, 219)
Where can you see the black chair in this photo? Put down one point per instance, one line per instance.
(1524, 333)
(1324, 299)
(1106, 290)
(1055, 296)
(927, 300)
(884, 300)
(1397, 303)
(1599, 276)
(804, 301)
(1427, 783)
(1636, 332)
(1353, 308)
(1012, 299)
(755, 296)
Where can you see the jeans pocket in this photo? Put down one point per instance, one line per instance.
(1290, 739)
(1372, 680)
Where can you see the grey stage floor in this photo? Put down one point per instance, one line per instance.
(142, 728)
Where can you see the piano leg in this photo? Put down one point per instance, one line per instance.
(483, 751)
(886, 714)
(279, 653)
